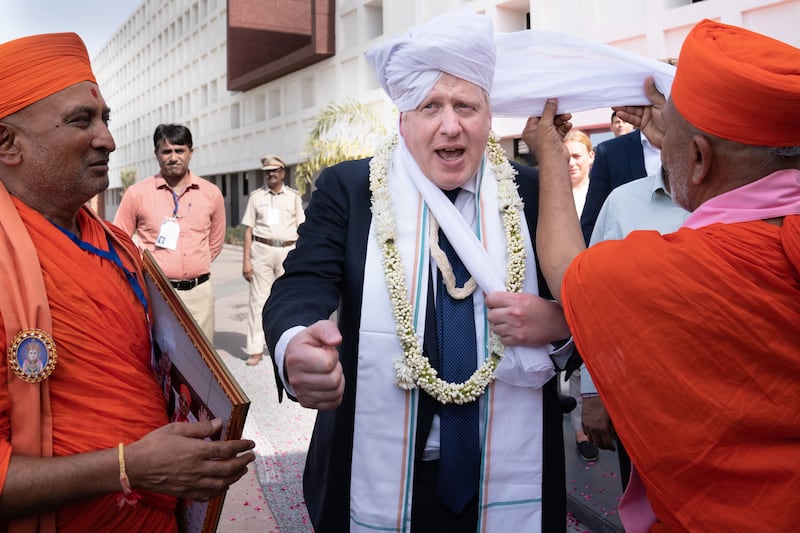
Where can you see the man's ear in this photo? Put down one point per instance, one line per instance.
(10, 154)
(702, 158)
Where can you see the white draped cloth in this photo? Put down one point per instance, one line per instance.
(525, 366)
(520, 70)
(534, 65)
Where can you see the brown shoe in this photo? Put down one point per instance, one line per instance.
(254, 359)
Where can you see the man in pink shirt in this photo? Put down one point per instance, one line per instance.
(180, 218)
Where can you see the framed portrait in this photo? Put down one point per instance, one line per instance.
(195, 382)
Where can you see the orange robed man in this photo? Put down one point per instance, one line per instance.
(701, 326)
(84, 442)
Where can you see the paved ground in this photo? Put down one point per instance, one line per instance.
(269, 423)
(281, 432)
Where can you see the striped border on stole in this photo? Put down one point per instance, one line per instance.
(511, 474)
(380, 494)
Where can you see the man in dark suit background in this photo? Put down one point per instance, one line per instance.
(616, 161)
(378, 448)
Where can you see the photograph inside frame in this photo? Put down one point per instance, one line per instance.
(195, 382)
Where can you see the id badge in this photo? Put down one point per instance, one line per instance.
(168, 236)
(273, 216)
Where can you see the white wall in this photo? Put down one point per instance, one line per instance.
(167, 64)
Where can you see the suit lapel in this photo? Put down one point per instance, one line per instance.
(636, 156)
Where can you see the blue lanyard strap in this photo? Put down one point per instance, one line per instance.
(175, 199)
(113, 256)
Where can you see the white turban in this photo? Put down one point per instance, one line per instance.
(460, 44)
(531, 66)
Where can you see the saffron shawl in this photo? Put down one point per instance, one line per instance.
(102, 390)
(23, 305)
(385, 416)
(710, 347)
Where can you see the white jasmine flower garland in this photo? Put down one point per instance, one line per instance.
(414, 369)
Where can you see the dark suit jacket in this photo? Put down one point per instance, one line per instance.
(325, 273)
(616, 161)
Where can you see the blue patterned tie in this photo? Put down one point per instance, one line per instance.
(459, 452)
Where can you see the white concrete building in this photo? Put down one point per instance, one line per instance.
(170, 62)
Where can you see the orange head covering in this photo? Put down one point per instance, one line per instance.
(183, 390)
(35, 67)
(739, 85)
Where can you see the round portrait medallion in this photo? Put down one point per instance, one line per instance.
(32, 355)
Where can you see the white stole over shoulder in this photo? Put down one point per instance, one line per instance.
(386, 416)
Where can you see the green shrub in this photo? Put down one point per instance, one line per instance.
(234, 235)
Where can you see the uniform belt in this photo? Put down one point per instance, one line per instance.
(186, 284)
(273, 242)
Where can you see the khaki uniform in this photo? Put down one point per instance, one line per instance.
(274, 218)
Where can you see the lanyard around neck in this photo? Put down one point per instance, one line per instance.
(113, 256)
(176, 200)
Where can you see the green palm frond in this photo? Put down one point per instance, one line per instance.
(342, 132)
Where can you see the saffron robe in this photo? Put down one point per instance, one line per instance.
(710, 346)
(102, 390)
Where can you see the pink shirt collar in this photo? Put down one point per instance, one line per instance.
(772, 196)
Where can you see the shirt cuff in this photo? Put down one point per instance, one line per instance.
(280, 354)
(560, 353)
(587, 384)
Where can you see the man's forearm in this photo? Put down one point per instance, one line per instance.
(216, 237)
(35, 485)
(248, 241)
(558, 235)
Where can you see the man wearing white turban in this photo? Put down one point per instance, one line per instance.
(382, 453)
